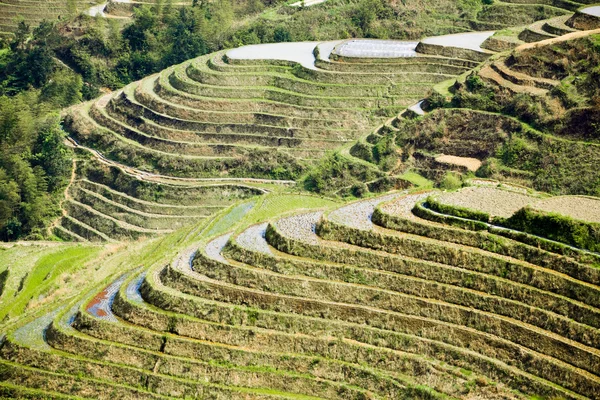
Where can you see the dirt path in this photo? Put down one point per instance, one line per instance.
(472, 164)
(308, 3)
(564, 38)
(67, 196)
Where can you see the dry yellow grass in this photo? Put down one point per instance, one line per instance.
(472, 164)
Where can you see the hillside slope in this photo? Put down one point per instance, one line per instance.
(213, 275)
(231, 125)
(528, 115)
(363, 300)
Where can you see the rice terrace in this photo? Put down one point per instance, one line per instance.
(282, 199)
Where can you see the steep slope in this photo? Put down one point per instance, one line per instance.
(366, 300)
(232, 125)
(529, 115)
(416, 294)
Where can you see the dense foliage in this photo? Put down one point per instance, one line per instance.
(34, 165)
(107, 54)
(585, 235)
(335, 172)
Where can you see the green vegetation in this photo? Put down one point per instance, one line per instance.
(46, 276)
(34, 166)
(557, 227)
(451, 181)
(417, 180)
(58, 64)
(336, 172)
(216, 274)
(528, 116)
(279, 204)
(461, 212)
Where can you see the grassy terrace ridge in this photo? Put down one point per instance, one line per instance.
(34, 12)
(564, 228)
(109, 204)
(218, 117)
(280, 308)
(190, 261)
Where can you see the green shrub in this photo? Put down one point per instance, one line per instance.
(426, 213)
(560, 228)
(435, 100)
(460, 212)
(451, 181)
(335, 172)
(474, 82)
(487, 170)
(359, 190)
(363, 151)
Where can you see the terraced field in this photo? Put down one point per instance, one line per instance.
(107, 202)
(123, 9)
(215, 115)
(178, 146)
(563, 223)
(250, 291)
(491, 200)
(584, 18)
(581, 208)
(366, 300)
(499, 15)
(33, 11)
(518, 117)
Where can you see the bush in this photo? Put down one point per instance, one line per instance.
(487, 170)
(359, 190)
(560, 228)
(460, 212)
(335, 172)
(435, 100)
(474, 82)
(451, 181)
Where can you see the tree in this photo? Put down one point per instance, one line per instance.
(219, 19)
(51, 154)
(187, 42)
(136, 34)
(368, 11)
(9, 202)
(63, 90)
(281, 34)
(31, 61)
